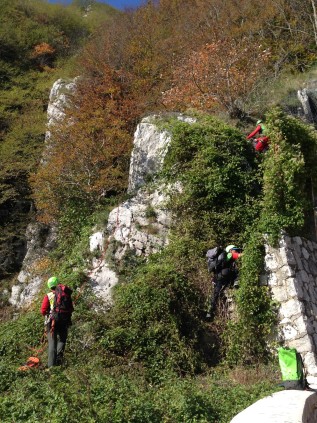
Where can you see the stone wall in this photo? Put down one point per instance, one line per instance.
(291, 272)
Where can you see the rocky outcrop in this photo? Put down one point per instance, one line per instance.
(140, 225)
(149, 149)
(292, 277)
(40, 240)
(59, 97)
(308, 100)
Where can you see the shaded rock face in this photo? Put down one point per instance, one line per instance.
(40, 239)
(12, 253)
(308, 100)
(292, 277)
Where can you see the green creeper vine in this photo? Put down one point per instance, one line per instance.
(289, 169)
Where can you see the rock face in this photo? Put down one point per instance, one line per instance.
(150, 147)
(58, 100)
(140, 225)
(40, 240)
(292, 276)
(308, 100)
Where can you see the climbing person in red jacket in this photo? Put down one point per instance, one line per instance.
(57, 308)
(261, 144)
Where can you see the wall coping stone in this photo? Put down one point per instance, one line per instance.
(289, 406)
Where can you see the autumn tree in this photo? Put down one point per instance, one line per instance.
(223, 73)
(87, 156)
(43, 54)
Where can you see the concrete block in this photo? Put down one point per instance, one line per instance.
(301, 324)
(290, 258)
(303, 276)
(298, 260)
(304, 344)
(298, 250)
(289, 332)
(291, 287)
(280, 294)
(289, 406)
(312, 267)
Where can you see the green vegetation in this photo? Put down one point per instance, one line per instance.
(37, 44)
(98, 384)
(152, 356)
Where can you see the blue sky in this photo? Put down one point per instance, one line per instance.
(119, 4)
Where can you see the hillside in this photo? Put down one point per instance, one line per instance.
(151, 356)
(32, 58)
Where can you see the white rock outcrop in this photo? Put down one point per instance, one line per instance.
(140, 225)
(40, 238)
(149, 149)
(58, 100)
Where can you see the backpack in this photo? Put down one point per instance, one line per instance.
(215, 259)
(292, 369)
(63, 304)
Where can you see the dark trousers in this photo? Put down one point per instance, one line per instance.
(220, 285)
(221, 282)
(56, 343)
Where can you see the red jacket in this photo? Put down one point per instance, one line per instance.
(235, 255)
(45, 307)
(256, 131)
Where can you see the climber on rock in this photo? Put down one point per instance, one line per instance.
(261, 144)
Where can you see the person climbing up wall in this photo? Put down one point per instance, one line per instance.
(57, 308)
(225, 273)
(261, 144)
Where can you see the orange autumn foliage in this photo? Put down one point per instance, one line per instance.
(88, 154)
(223, 73)
(43, 54)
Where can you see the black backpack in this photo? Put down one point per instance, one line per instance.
(216, 258)
(63, 304)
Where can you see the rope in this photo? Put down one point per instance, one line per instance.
(34, 362)
(38, 351)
